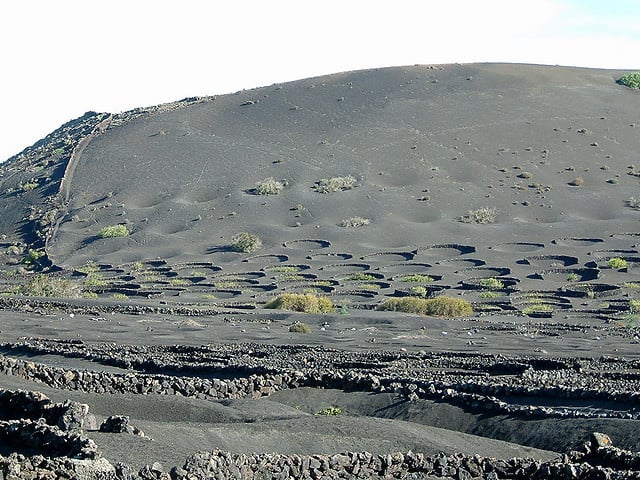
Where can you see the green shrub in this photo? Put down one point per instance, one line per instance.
(437, 307)
(634, 305)
(490, 294)
(290, 277)
(491, 283)
(299, 327)
(330, 411)
(282, 269)
(573, 277)
(246, 242)
(95, 280)
(617, 263)
(89, 268)
(537, 308)
(631, 80)
(633, 322)
(419, 291)
(47, 286)
(335, 184)
(30, 185)
(114, 231)
(416, 278)
(480, 216)
(268, 186)
(137, 267)
(361, 277)
(31, 259)
(301, 302)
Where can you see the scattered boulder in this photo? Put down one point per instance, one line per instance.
(600, 440)
(76, 417)
(120, 424)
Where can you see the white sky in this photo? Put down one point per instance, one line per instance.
(60, 58)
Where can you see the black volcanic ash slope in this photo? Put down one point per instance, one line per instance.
(425, 146)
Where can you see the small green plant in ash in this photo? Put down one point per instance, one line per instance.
(114, 231)
(95, 280)
(268, 186)
(30, 185)
(481, 216)
(537, 308)
(330, 411)
(491, 283)
(573, 277)
(361, 277)
(89, 268)
(617, 263)
(301, 302)
(31, 259)
(137, 267)
(416, 278)
(491, 294)
(631, 80)
(246, 242)
(290, 277)
(419, 291)
(299, 327)
(335, 184)
(634, 305)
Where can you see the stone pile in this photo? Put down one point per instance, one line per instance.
(30, 420)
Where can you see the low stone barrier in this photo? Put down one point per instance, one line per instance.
(258, 385)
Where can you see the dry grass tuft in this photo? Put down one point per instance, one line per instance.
(268, 186)
(482, 215)
(47, 286)
(301, 302)
(299, 327)
(246, 242)
(114, 231)
(437, 307)
(335, 184)
(354, 222)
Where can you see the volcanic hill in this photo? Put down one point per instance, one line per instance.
(511, 187)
